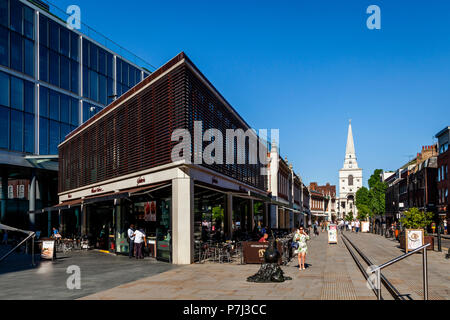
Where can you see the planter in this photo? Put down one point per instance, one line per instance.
(402, 240)
(427, 239)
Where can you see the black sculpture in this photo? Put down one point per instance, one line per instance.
(270, 271)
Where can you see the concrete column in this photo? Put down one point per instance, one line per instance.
(265, 214)
(182, 221)
(4, 195)
(229, 214)
(274, 216)
(83, 220)
(32, 199)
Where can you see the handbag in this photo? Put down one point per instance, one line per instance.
(294, 245)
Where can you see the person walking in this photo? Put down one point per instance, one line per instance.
(357, 224)
(139, 241)
(301, 237)
(353, 225)
(316, 229)
(131, 237)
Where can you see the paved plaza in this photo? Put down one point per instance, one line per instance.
(331, 274)
(406, 275)
(47, 281)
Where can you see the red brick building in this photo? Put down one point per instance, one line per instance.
(443, 179)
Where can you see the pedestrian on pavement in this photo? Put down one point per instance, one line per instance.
(316, 229)
(264, 238)
(353, 225)
(357, 225)
(139, 242)
(445, 226)
(301, 237)
(131, 237)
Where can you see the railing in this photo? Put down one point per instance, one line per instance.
(423, 248)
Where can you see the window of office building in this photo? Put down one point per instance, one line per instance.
(58, 117)
(97, 73)
(58, 55)
(17, 36)
(16, 114)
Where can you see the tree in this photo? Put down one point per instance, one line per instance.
(363, 212)
(415, 219)
(362, 199)
(349, 216)
(370, 202)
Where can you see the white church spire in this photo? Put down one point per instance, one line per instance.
(350, 154)
(350, 178)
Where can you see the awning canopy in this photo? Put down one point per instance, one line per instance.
(319, 214)
(104, 197)
(241, 194)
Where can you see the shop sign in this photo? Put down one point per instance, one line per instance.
(414, 239)
(332, 234)
(365, 226)
(48, 249)
(140, 180)
(254, 251)
(96, 189)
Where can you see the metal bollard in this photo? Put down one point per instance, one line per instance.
(425, 274)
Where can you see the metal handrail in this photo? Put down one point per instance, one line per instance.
(423, 248)
(392, 290)
(399, 258)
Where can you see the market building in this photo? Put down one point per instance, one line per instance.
(117, 168)
(52, 79)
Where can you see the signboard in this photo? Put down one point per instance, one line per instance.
(332, 233)
(365, 225)
(48, 249)
(253, 252)
(414, 239)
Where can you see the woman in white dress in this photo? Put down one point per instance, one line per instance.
(301, 237)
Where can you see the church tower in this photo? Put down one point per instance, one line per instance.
(350, 178)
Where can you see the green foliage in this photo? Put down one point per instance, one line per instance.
(416, 219)
(217, 213)
(371, 201)
(349, 216)
(363, 212)
(362, 198)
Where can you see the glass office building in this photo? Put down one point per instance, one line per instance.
(52, 79)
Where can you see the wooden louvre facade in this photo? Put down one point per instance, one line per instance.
(134, 132)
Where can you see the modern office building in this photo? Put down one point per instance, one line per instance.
(52, 79)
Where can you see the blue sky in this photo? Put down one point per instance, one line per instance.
(306, 67)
